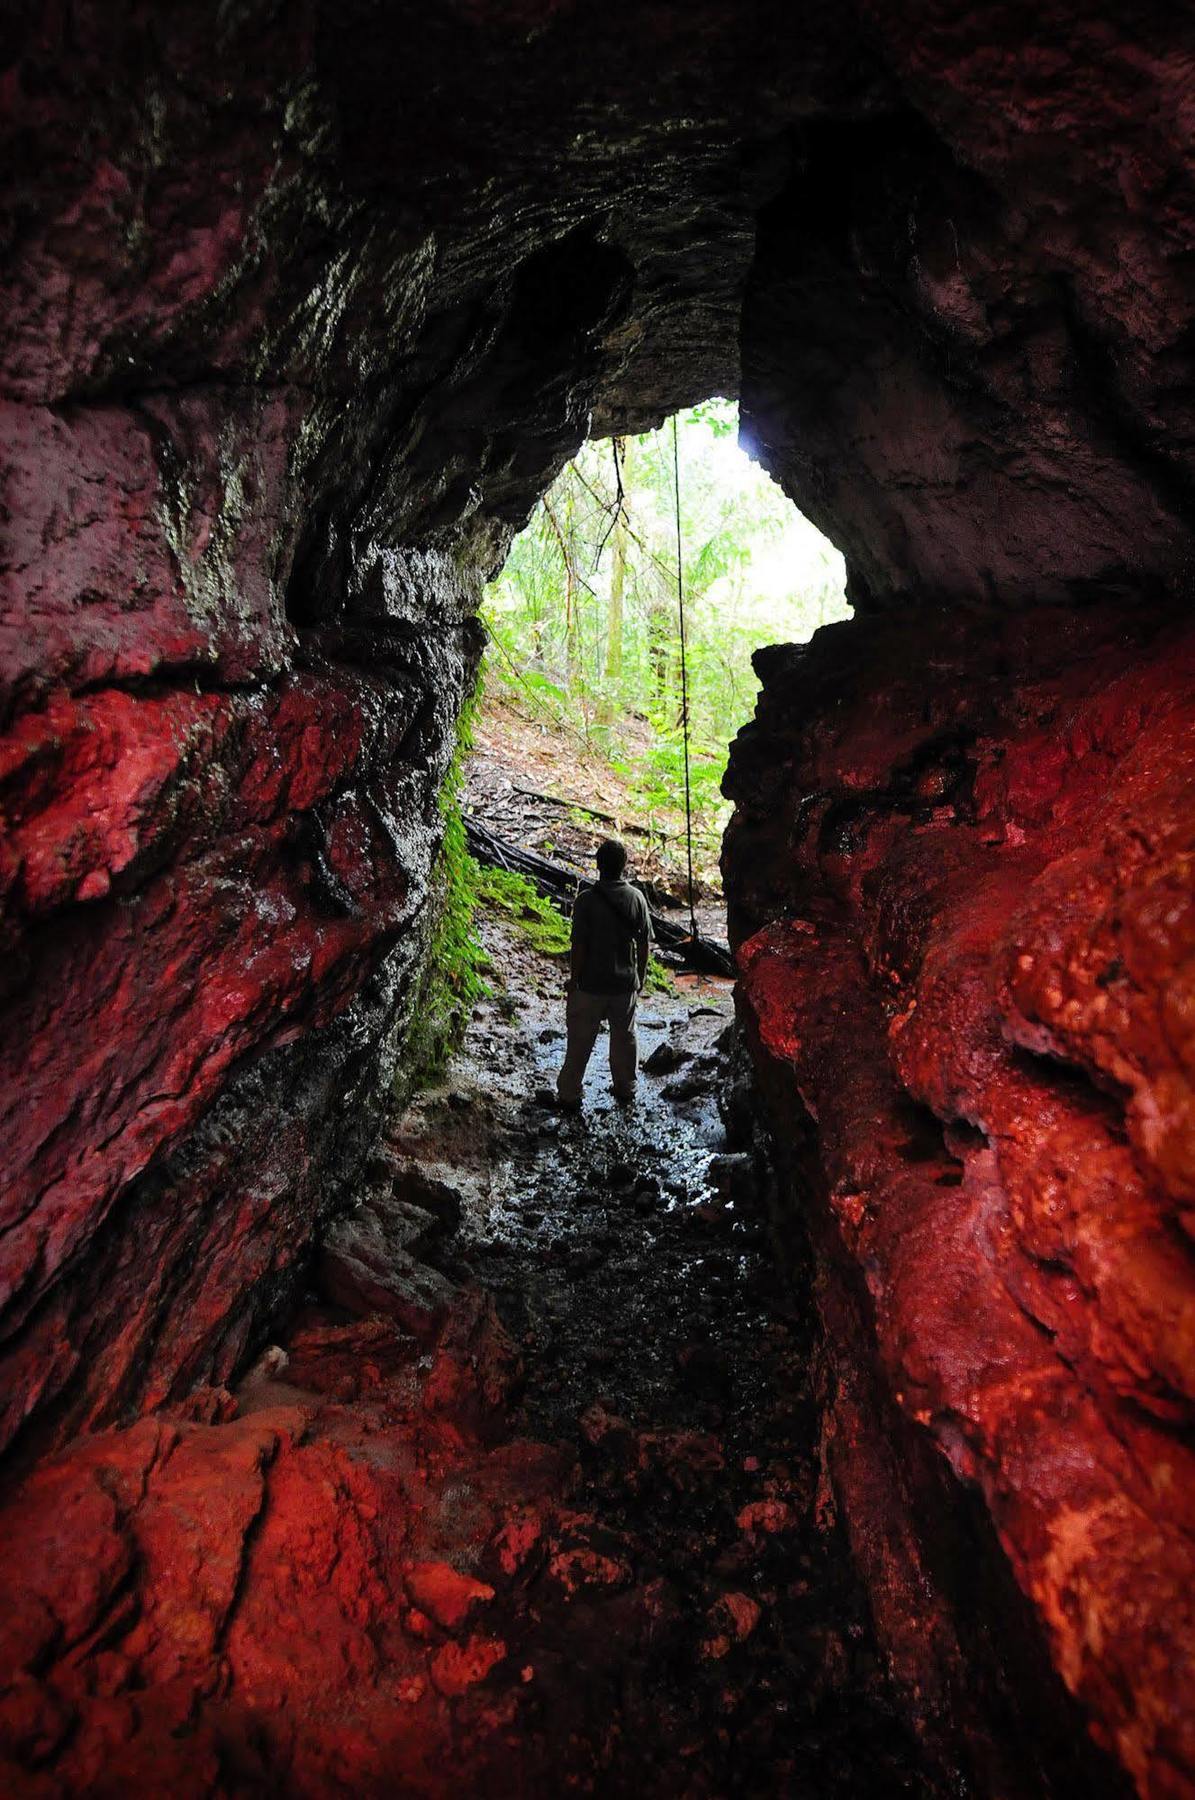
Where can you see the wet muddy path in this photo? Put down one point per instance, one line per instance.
(702, 1632)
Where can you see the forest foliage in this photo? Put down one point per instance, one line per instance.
(584, 623)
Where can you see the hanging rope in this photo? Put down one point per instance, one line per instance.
(684, 676)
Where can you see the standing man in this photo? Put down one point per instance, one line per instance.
(608, 962)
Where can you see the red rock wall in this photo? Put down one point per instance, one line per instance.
(218, 831)
(966, 344)
(298, 314)
(291, 338)
(961, 869)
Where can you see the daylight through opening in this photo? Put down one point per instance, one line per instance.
(582, 690)
(472, 1323)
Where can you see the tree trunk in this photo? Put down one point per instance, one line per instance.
(570, 620)
(661, 640)
(618, 580)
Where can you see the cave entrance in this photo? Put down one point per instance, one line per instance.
(616, 1230)
(579, 731)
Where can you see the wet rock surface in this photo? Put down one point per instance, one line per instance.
(301, 309)
(282, 368)
(972, 908)
(577, 1537)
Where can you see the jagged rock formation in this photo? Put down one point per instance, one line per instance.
(280, 375)
(981, 909)
(301, 310)
(967, 827)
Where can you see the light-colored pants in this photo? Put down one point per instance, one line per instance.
(583, 1015)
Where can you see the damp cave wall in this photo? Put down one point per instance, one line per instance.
(282, 373)
(960, 866)
(302, 309)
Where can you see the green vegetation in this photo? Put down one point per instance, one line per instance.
(456, 969)
(584, 622)
(514, 896)
(544, 924)
(454, 975)
(584, 632)
(658, 980)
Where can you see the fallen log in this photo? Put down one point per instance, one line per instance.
(561, 884)
(553, 879)
(592, 812)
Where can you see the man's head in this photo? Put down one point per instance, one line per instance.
(611, 859)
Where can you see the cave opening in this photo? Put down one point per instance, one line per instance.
(581, 687)
(825, 1424)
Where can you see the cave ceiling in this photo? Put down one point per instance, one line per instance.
(301, 309)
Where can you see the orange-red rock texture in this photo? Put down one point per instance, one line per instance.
(300, 310)
(976, 987)
(259, 1600)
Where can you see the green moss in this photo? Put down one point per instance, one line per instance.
(516, 898)
(658, 979)
(546, 927)
(454, 975)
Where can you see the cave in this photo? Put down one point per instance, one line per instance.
(303, 309)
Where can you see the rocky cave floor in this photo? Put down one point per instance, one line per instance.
(701, 1633)
(532, 1505)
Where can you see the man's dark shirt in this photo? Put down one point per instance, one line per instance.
(611, 932)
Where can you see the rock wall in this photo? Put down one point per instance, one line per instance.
(961, 866)
(966, 344)
(282, 365)
(300, 310)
